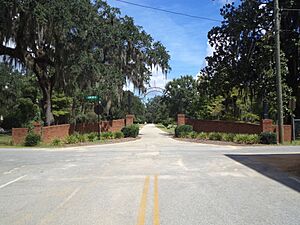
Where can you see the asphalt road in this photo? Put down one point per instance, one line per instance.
(155, 180)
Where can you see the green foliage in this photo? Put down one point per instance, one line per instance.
(215, 136)
(32, 139)
(156, 110)
(19, 98)
(57, 142)
(82, 138)
(92, 136)
(250, 117)
(268, 138)
(168, 122)
(229, 137)
(72, 139)
(61, 108)
(107, 135)
(118, 135)
(11, 121)
(242, 68)
(5, 140)
(192, 135)
(246, 139)
(181, 96)
(202, 136)
(131, 131)
(216, 107)
(183, 130)
(171, 126)
(98, 41)
(128, 103)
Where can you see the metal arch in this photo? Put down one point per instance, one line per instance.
(153, 91)
(155, 88)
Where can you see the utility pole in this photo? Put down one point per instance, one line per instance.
(278, 71)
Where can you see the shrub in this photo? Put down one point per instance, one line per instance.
(82, 138)
(183, 130)
(268, 138)
(57, 142)
(246, 139)
(107, 135)
(215, 136)
(72, 139)
(202, 136)
(228, 137)
(119, 135)
(253, 139)
(192, 135)
(168, 122)
(32, 139)
(92, 136)
(165, 123)
(131, 131)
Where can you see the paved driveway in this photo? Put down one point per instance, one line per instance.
(155, 180)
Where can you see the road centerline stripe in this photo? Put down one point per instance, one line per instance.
(13, 181)
(156, 220)
(143, 204)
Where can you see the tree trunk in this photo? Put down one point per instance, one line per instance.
(47, 105)
(46, 85)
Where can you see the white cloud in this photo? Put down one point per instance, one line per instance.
(209, 49)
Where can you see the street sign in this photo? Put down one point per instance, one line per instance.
(92, 97)
(98, 109)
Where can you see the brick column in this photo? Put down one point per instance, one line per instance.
(129, 120)
(267, 125)
(180, 119)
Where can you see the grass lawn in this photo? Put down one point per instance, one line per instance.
(141, 125)
(297, 142)
(163, 128)
(5, 140)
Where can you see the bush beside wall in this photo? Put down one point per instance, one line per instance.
(131, 131)
(183, 131)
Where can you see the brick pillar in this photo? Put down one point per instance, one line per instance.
(267, 125)
(180, 119)
(129, 120)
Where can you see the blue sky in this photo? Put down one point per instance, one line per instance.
(185, 38)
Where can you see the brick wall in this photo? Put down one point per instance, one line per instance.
(129, 120)
(18, 135)
(113, 126)
(223, 126)
(180, 119)
(52, 132)
(234, 127)
(287, 130)
(47, 133)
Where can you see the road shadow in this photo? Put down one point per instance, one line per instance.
(284, 168)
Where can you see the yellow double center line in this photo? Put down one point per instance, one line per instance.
(143, 205)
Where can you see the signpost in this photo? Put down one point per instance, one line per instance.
(92, 97)
(98, 109)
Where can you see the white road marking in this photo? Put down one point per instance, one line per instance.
(68, 198)
(10, 171)
(295, 179)
(13, 181)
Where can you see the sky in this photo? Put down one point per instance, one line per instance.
(185, 38)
